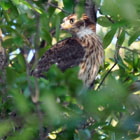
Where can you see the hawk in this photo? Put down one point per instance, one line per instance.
(83, 49)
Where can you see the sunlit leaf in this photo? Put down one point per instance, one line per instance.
(5, 4)
(52, 136)
(103, 21)
(26, 3)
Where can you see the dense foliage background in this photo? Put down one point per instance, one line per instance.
(59, 107)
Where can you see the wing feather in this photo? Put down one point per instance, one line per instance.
(66, 54)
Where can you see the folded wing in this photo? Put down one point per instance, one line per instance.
(65, 54)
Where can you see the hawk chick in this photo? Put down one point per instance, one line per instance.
(83, 49)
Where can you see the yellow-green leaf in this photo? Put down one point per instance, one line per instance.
(103, 21)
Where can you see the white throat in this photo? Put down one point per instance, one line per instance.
(84, 31)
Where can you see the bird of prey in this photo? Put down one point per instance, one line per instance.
(84, 49)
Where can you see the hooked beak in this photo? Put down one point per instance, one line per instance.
(61, 26)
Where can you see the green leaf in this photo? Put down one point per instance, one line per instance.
(27, 132)
(27, 4)
(108, 37)
(5, 127)
(21, 61)
(51, 10)
(83, 135)
(46, 36)
(5, 5)
(68, 5)
(18, 40)
(57, 27)
(11, 75)
(7, 17)
(21, 102)
(79, 8)
(112, 135)
(135, 60)
(122, 64)
(43, 20)
(121, 38)
(103, 21)
(133, 38)
(51, 107)
(16, 1)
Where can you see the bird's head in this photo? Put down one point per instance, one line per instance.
(74, 25)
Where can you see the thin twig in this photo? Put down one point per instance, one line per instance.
(24, 51)
(133, 51)
(53, 5)
(43, 43)
(106, 75)
(35, 92)
(47, 5)
(3, 64)
(108, 17)
(35, 98)
(117, 47)
(40, 117)
(28, 73)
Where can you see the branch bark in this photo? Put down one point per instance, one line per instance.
(35, 91)
(3, 64)
(35, 98)
(91, 10)
(3, 61)
(2, 54)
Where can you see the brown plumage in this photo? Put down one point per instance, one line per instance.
(83, 49)
(65, 54)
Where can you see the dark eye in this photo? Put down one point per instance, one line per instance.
(71, 20)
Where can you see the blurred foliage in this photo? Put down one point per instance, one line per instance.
(64, 104)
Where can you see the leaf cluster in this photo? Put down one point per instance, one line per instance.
(64, 107)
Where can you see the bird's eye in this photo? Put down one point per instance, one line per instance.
(71, 21)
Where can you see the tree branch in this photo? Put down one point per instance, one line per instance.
(55, 6)
(91, 10)
(3, 58)
(133, 51)
(35, 98)
(3, 64)
(106, 75)
(35, 92)
(108, 17)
